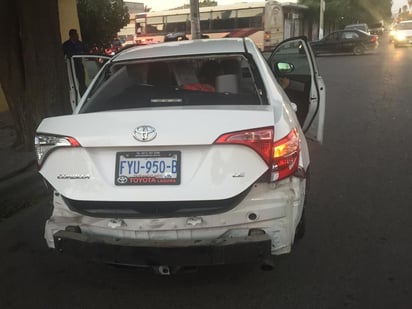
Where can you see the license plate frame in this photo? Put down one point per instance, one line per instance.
(144, 170)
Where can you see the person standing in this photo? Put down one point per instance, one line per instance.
(73, 46)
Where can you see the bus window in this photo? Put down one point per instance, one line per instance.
(140, 25)
(155, 25)
(223, 19)
(250, 18)
(205, 21)
(177, 23)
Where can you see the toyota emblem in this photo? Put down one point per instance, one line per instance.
(122, 179)
(144, 133)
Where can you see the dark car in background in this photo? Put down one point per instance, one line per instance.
(377, 28)
(346, 41)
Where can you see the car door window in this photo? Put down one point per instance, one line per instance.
(333, 36)
(299, 77)
(81, 71)
(349, 35)
(293, 59)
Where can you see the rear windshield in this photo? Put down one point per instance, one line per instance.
(206, 80)
(379, 25)
(359, 27)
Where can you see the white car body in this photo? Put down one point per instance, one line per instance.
(225, 202)
(403, 34)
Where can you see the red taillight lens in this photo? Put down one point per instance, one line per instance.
(374, 38)
(282, 156)
(285, 156)
(44, 144)
(260, 140)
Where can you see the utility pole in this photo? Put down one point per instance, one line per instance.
(321, 20)
(194, 19)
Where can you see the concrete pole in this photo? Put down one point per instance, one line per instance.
(321, 22)
(195, 19)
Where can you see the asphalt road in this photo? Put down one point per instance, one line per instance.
(357, 252)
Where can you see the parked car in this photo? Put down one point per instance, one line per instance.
(403, 35)
(150, 172)
(363, 27)
(346, 41)
(175, 36)
(377, 28)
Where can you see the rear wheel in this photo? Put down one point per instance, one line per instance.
(358, 50)
(301, 228)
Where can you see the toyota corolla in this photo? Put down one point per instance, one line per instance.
(185, 153)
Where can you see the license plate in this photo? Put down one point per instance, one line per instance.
(147, 168)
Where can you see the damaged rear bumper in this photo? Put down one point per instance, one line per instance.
(230, 250)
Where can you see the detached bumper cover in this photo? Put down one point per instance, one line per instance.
(233, 250)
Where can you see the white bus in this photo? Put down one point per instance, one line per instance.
(266, 23)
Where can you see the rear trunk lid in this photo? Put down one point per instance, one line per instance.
(206, 171)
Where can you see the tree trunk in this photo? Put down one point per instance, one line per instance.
(32, 68)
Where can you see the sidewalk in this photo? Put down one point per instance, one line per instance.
(20, 182)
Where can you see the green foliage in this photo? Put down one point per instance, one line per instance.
(100, 20)
(344, 12)
(207, 3)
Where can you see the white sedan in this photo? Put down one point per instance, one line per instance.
(185, 153)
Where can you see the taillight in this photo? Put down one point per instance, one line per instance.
(44, 144)
(285, 156)
(281, 156)
(374, 38)
(260, 140)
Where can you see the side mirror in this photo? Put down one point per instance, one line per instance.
(285, 67)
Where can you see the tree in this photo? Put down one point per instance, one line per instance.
(342, 12)
(32, 69)
(207, 3)
(100, 20)
(404, 13)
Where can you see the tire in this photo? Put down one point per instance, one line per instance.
(301, 228)
(358, 50)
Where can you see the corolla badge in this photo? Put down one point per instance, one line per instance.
(145, 133)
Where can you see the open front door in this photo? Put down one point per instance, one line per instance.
(294, 65)
(81, 70)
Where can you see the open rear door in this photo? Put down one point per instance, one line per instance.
(81, 70)
(293, 60)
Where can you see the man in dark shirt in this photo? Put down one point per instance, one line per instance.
(73, 46)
